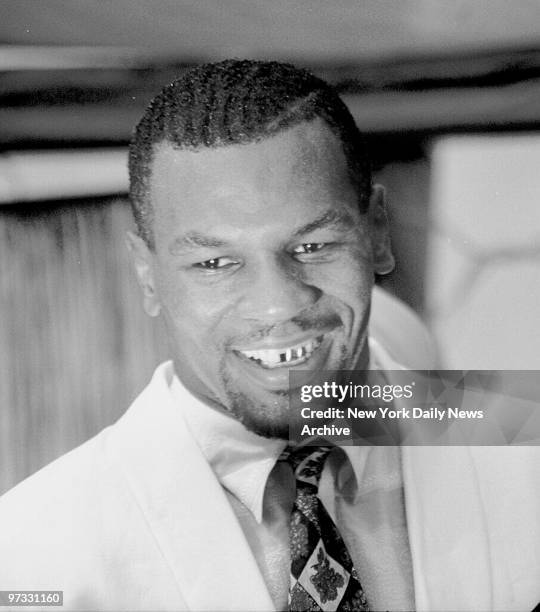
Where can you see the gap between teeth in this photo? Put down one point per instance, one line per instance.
(275, 357)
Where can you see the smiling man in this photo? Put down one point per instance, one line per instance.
(258, 236)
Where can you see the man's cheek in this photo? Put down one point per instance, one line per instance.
(354, 293)
(185, 305)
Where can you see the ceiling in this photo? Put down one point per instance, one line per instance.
(79, 73)
(76, 72)
(314, 31)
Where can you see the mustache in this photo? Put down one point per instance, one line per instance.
(307, 321)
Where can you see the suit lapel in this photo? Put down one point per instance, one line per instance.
(185, 506)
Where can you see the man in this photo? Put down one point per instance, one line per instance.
(259, 233)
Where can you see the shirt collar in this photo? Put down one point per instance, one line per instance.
(241, 460)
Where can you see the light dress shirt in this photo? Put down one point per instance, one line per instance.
(361, 488)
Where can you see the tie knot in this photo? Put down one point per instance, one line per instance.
(307, 462)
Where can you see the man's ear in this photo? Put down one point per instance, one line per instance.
(142, 260)
(383, 260)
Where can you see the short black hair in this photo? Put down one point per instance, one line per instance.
(237, 102)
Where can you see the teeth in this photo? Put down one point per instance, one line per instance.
(273, 357)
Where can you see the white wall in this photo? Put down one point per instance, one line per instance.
(483, 253)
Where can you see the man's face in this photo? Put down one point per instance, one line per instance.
(263, 263)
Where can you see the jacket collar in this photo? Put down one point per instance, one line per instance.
(180, 498)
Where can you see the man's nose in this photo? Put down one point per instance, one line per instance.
(276, 291)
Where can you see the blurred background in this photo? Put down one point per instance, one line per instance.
(447, 91)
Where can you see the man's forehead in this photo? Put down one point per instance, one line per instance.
(309, 145)
(296, 173)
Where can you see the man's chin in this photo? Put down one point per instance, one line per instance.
(265, 414)
(267, 429)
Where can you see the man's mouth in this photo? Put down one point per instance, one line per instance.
(293, 355)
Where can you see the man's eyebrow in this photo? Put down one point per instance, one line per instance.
(331, 218)
(194, 240)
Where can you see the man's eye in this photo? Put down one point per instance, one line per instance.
(308, 247)
(217, 263)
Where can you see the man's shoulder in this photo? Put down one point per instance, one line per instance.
(51, 522)
(80, 470)
(56, 520)
(78, 521)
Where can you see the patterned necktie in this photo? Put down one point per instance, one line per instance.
(322, 574)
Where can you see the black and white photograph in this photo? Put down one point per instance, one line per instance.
(270, 305)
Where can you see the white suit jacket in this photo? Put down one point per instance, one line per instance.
(135, 519)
